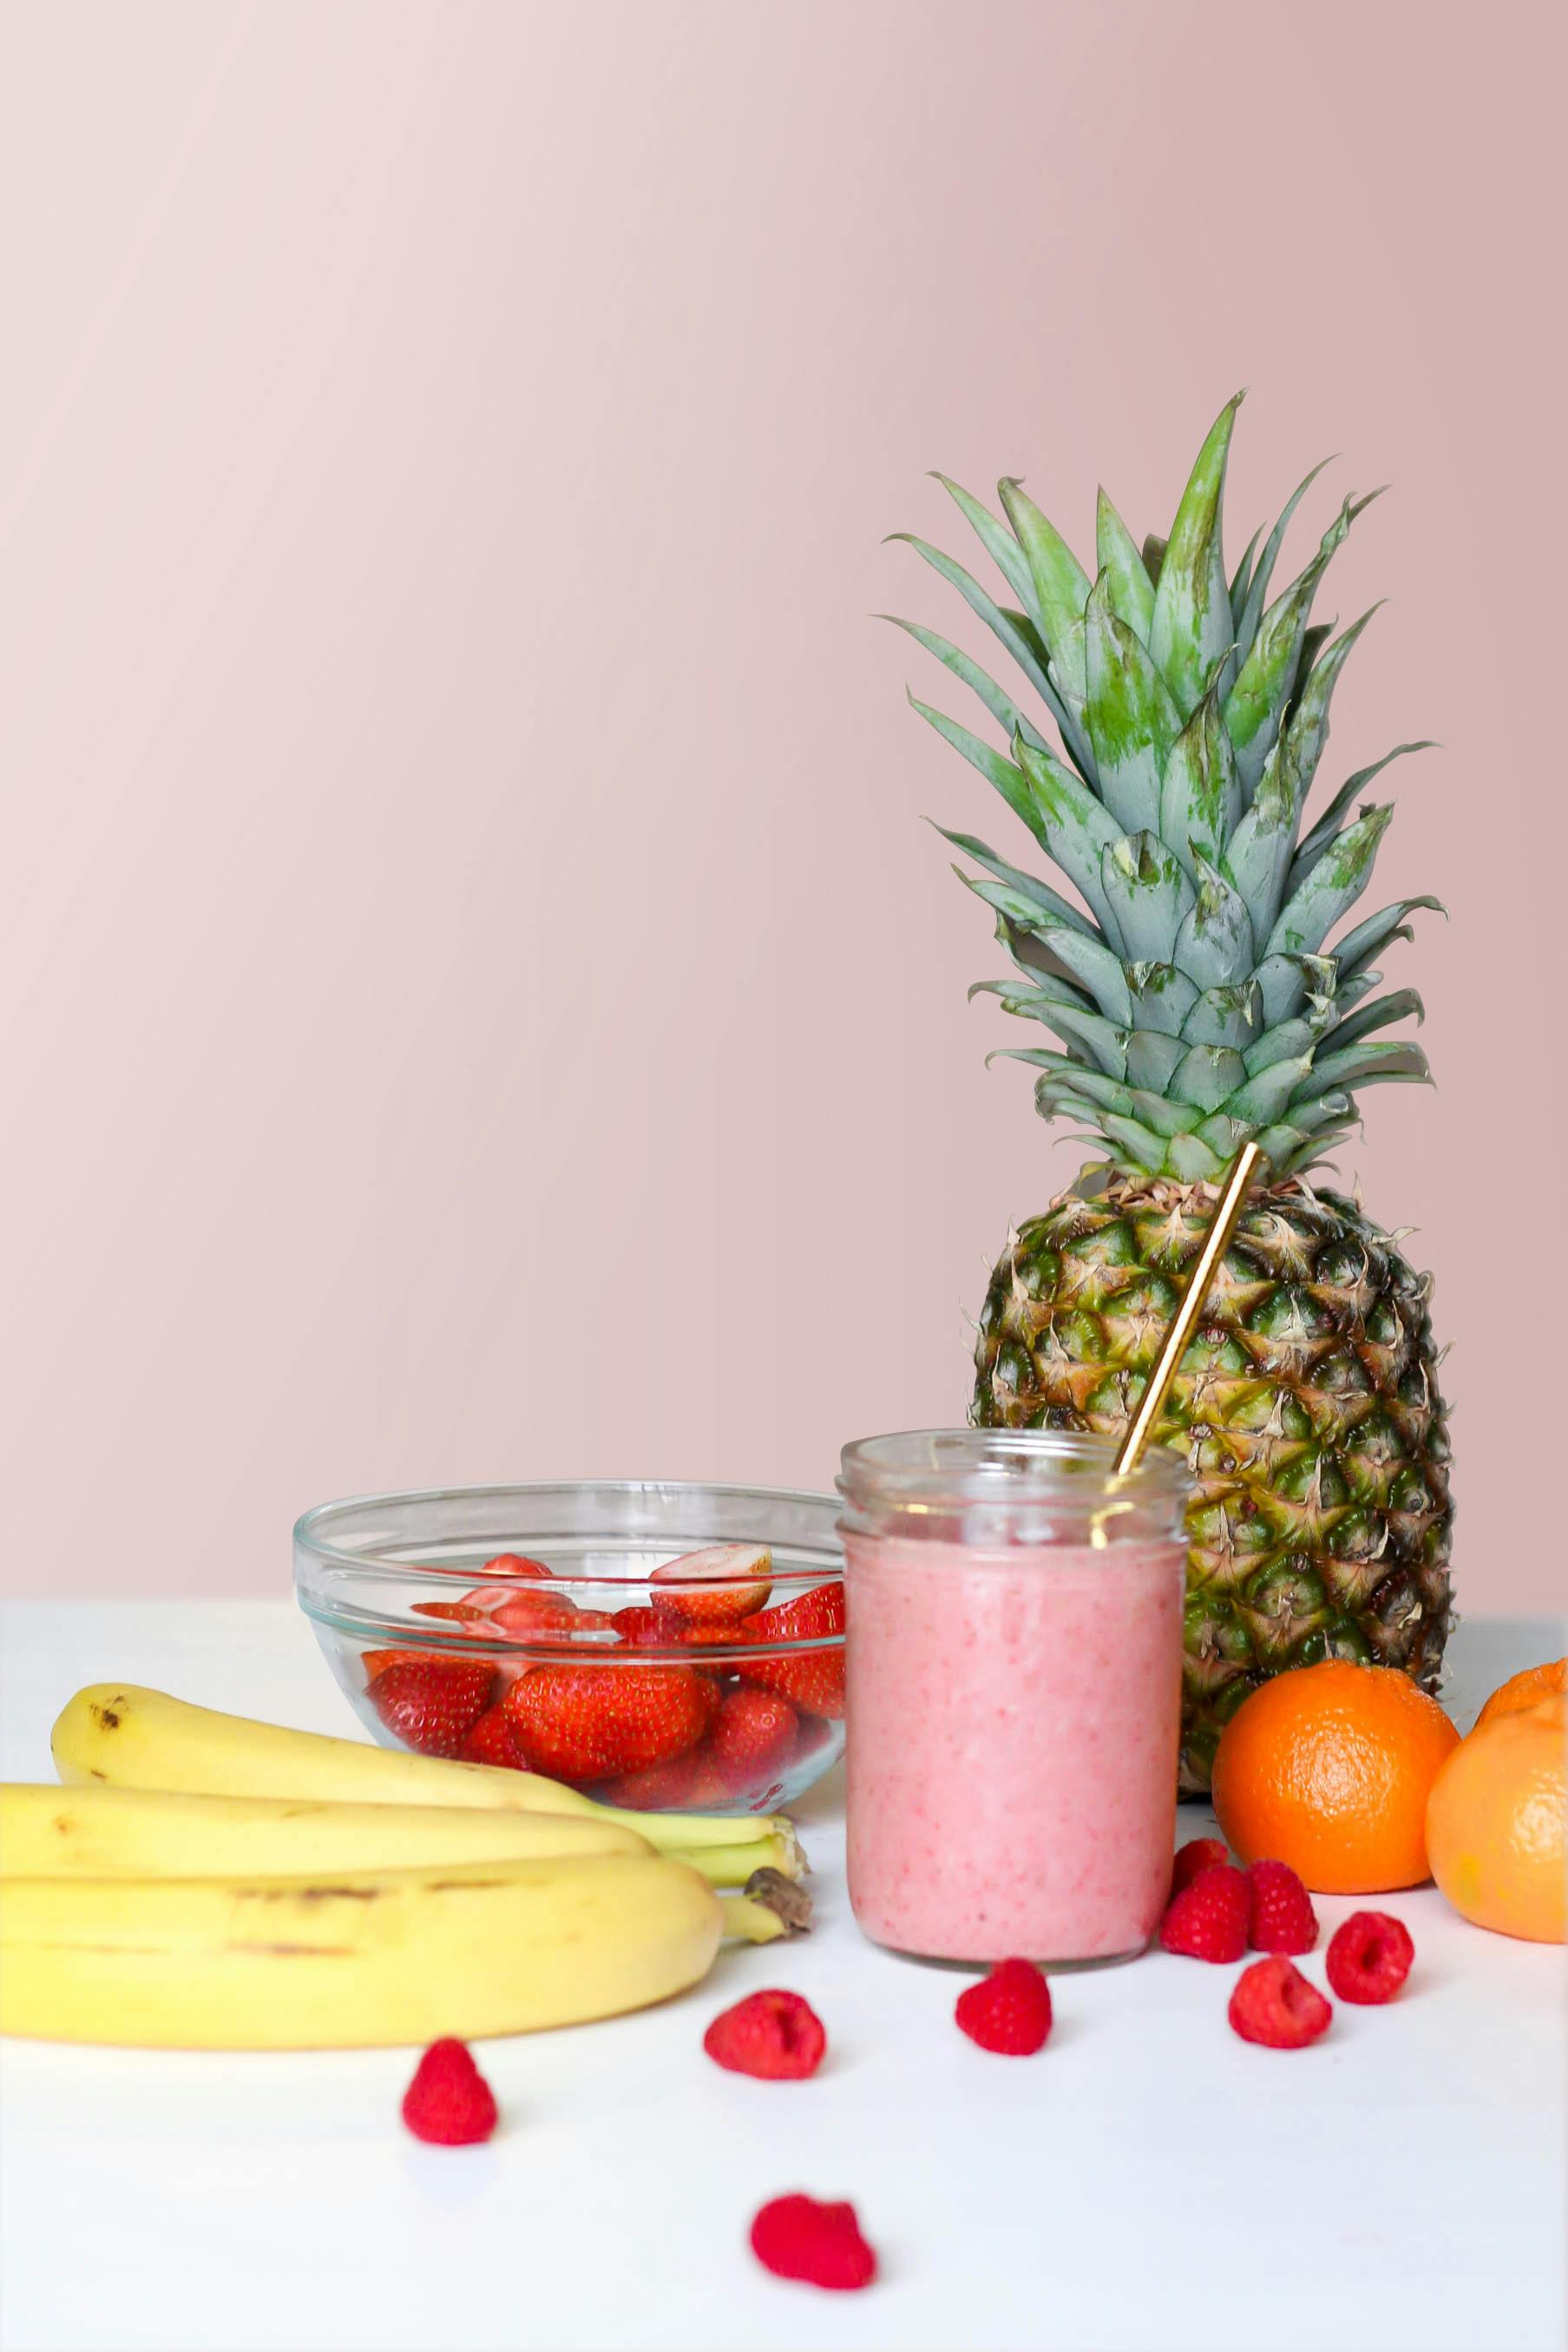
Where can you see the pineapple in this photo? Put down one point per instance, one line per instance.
(1196, 1000)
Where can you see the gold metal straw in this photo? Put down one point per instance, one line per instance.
(1191, 1307)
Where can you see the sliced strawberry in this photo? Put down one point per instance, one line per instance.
(753, 1737)
(738, 1574)
(513, 1563)
(584, 1722)
(433, 1704)
(462, 1612)
(522, 1614)
(641, 1627)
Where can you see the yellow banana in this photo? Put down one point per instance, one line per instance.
(137, 1739)
(104, 1832)
(359, 1957)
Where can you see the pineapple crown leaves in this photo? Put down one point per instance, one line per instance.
(1193, 989)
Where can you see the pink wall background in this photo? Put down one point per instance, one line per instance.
(478, 999)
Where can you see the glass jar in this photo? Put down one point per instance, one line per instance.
(1014, 1692)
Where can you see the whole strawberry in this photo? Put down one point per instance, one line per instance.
(433, 1704)
(492, 1740)
(449, 2102)
(1280, 1918)
(1273, 2004)
(797, 2238)
(752, 1739)
(774, 2035)
(812, 1680)
(1009, 2011)
(591, 1723)
(1369, 1957)
(1208, 1921)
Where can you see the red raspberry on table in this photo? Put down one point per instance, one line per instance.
(1009, 2011)
(449, 2102)
(513, 1563)
(1208, 1921)
(1272, 2003)
(813, 1680)
(1281, 1918)
(776, 2036)
(1199, 1854)
(797, 2238)
(752, 1739)
(1369, 1957)
(492, 1740)
(592, 1723)
(432, 1704)
(739, 1575)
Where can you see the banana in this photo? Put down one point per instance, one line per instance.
(137, 1739)
(105, 1833)
(358, 1959)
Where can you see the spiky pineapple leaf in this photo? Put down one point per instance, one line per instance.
(1147, 892)
(1283, 981)
(1070, 1021)
(1160, 996)
(1224, 1016)
(1129, 589)
(1267, 1092)
(1332, 887)
(1058, 949)
(1200, 794)
(1287, 1040)
(1009, 780)
(1151, 1059)
(1024, 887)
(1000, 704)
(1061, 583)
(1251, 611)
(1256, 704)
(1313, 843)
(995, 537)
(1257, 855)
(1240, 577)
(1307, 726)
(1380, 1013)
(1011, 629)
(1191, 628)
(1357, 948)
(1131, 718)
(1215, 946)
(1071, 823)
(1366, 1065)
(1207, 1076)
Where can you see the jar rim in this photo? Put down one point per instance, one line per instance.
(949, 1468)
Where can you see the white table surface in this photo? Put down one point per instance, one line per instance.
(1149, 2181)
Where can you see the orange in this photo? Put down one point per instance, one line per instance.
(1328, 1768)
(1497, 1822)
(1523, 1690)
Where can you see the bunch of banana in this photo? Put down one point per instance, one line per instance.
(136, 1738)
(183, 1908)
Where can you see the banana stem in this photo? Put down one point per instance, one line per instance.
(732, 1865)
(687, 1833)
(771, 1906)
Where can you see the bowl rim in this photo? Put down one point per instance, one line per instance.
(306, 1540)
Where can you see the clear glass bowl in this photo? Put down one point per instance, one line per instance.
(522, 1626)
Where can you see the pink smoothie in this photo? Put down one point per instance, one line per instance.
(1013, 1716)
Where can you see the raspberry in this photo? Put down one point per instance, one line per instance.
(1208, 1921)
(1282, 1919)
(449, 2102)
(1009, 2011)
(1369, 1957)
(797, 2238)
(776, 2036)
(1274, 2003)
(1199, 1854)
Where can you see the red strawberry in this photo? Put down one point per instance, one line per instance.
(753, 1737)
(776, 2036)
(661, 1789)
(512, 1563)
(449, 2101)
(1369, 1957)
(797, 2238)
(462, 1612)
(1281, 1918)
(433, 1704)
(737, 1573)
(1274, 2003)
(591, 1723)
(710, 1690)
(376, 1662)
(1208, 1921)
(812, 1679)
(492, 1740)
(708, 1791)
(1199, 1854)
(1009, 2011)
(642, 1627)
(524, 1614)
